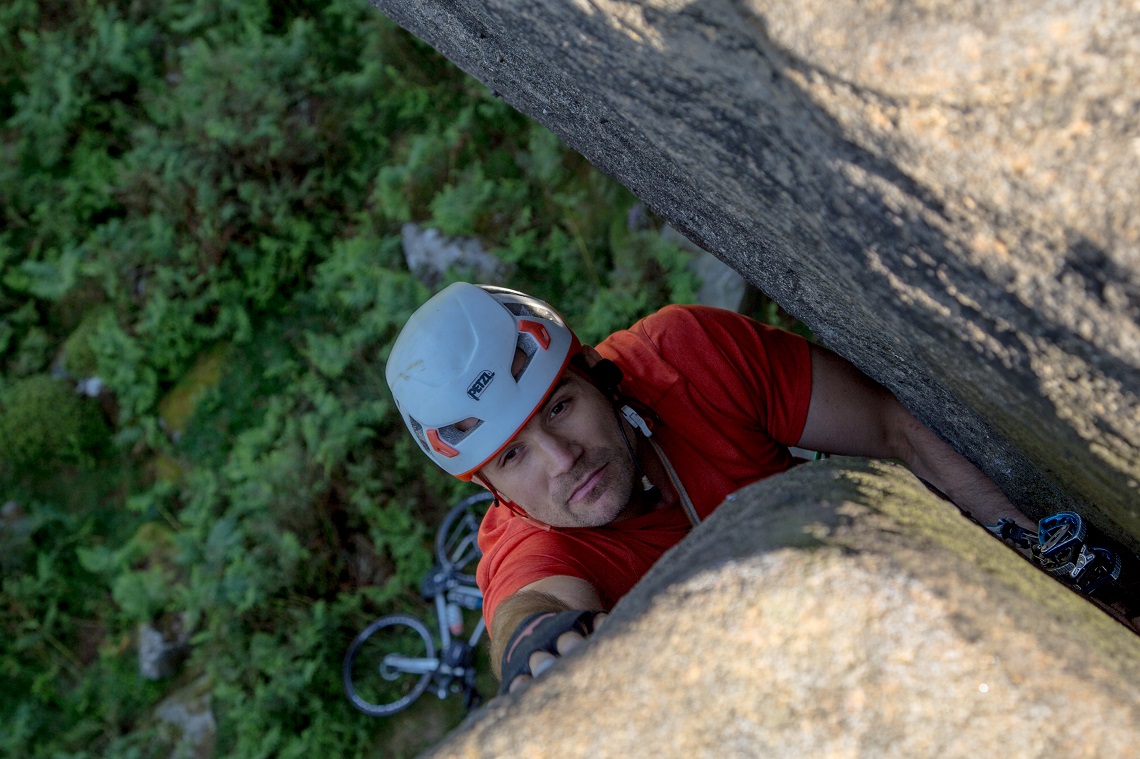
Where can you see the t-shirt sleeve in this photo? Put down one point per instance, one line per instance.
(753, 370)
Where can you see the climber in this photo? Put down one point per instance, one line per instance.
(603, 458)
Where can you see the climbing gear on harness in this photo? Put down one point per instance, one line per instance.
(1060, 548)
(540, 632)
(456, 377)
(635, 420)
(608, 376)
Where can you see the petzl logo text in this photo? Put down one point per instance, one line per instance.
(476, 388)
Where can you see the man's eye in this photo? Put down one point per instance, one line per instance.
(508, 457)
(559, 408)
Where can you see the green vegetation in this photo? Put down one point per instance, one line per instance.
(44, 423)
(201, 203)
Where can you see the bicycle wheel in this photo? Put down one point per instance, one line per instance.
(389, 665)
(456, 542)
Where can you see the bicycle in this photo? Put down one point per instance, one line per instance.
(402, 650)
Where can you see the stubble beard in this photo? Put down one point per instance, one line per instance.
(615, 487)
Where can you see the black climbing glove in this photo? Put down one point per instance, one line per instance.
(540, 632)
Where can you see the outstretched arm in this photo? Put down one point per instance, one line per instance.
(850, 414)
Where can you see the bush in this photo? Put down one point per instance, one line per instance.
(202, 204)
(79, 360)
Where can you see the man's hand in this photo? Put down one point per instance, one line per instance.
(540, 640)
(551, 595)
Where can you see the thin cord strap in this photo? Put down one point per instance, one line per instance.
(690, 510)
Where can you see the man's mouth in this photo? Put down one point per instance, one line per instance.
(588, 486)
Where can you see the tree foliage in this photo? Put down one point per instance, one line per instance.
(225, 180)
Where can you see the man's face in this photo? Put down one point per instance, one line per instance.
(569, 467)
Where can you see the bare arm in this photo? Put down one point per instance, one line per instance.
(850, 414)
(555, 594)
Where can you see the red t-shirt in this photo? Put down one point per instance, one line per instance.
(730, 396)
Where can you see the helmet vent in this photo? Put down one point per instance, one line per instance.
(449, 433)
(452, 435)
(528, 346)
(531, 309)
(418, 431)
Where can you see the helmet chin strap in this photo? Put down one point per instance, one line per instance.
(607, 376)
(649, 492)
(510, 505)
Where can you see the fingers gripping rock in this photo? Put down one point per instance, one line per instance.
(540, 632)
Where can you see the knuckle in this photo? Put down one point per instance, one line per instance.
(568, 641)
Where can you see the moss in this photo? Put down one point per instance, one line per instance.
(43, 423)
(78, 357)
(178, 405)
(892, 491)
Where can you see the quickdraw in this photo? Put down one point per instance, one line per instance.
(1060, 548)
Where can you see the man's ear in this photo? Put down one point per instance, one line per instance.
(604, 374)
(591, 356)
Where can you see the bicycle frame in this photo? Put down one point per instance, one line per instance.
(463, 596)
(445, 663)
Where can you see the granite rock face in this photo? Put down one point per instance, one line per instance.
(944, 191)
(838, 610)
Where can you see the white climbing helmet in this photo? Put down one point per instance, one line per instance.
(452, 362)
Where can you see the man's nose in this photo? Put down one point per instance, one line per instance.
(559, 451)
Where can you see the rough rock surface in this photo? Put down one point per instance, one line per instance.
(186, 723)
(839, 610)
(944, 191)
(721, 285)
